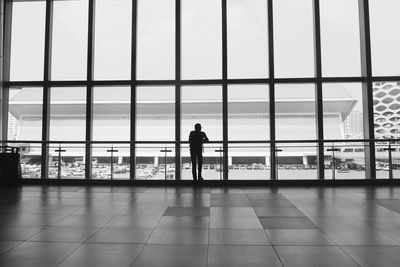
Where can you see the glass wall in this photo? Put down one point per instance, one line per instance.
(155, 39)
(247, 39)
(295, 117)
(69, 43)
(27, 41)
(201, 39)
(113, 33)
(385, 24)
(25, 123)
(293, 38)
(340, 39)
(254, 73)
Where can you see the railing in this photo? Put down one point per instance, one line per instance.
(294, 160)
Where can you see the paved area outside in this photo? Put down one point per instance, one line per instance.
(187, 226)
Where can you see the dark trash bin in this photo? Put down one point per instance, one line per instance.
(10, 166)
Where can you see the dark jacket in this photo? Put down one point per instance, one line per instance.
(196, 140)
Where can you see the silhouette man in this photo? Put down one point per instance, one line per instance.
(196, 140)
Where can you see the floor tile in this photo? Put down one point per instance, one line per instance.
(238, 237)
(359, 237)
(278, 212)
(38, 252)
(235, 222)
(286, 223)
(179, 236)
(6, 245)
(65, 234)
(84, 220)
(104, 255)
(306, 256)
(298, 237)
(232, 211)
(184, 222)
(121, 235)
(134, 221)
(239, 256)
(172, 256)
(372, 256)
(187, 211)
(15, 233)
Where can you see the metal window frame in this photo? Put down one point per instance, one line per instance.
(366, 79)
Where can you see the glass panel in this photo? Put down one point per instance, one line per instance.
(27, 40)
(156, 39)
(247, 39)
(202, 104)
(212, 168)
(111, 113)
(155, 162)
(30, 159)
(112, 58)
(68, 163)
(155, 111)
(201, 39)
(382, 160)
(248, 107)
(340, 38)
(69, 54)
(111, 162)
(386, 109)
(293, 38)
(296, 161)
(385, 24)
(295, 112)
(249, 162)
(25, 114)
(343, 111)
(67, 114)
(396, 160)
(348, 163)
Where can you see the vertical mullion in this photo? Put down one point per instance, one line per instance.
(177, 90)
(133, 91)
(46, 88)
(367, 89)
(89, 90)
(224, 90)
(318, 92)
(5, 67)
(271, 64)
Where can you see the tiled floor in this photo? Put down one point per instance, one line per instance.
(185, 226)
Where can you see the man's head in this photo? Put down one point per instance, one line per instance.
(197, 127)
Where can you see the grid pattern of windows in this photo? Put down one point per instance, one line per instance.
(263, 72)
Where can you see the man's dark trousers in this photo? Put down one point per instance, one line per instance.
(196, 154)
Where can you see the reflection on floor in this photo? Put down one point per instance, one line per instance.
(186, 226)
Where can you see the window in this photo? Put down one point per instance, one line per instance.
(248, 112)
(69, 44)
(155, 111)
(155, 39)
(67, 114)
(247, 39)
(293, 38)
(112, 59)
(27, 41)
(343, 112)
(340, 38)
(295, 112)
(384, 23)
(201, 39)
(111, 113)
